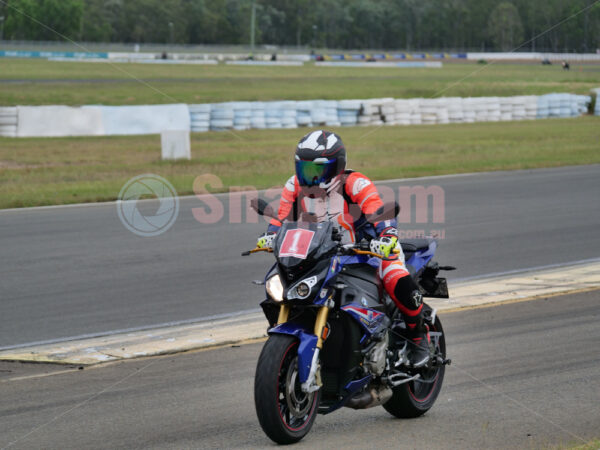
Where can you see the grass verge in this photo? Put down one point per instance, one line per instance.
(37, 82)
(35, 172)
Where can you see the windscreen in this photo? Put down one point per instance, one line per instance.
(303, 242)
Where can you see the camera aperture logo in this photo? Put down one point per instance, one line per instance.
(148, 205)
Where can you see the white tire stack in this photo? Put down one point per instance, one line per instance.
(200, 117)
(242, 115)
(469, 113)
(403, 111)
(388, 112)
(348, 111)
(455, 109)
(273, 115)
(442, 110)
(519, 111)
(565, 105)
(530, 107)
(8, 121)
(221, 117)
(288, 115)
(555, 105)
(257, 118)
(506, 109)
(481, 109)
(581, 104)
(493, 111)
(331, 113)
(415, 111)
(318, 115)
(370, 113)
(428, 111)
(543, 107)
(303, 113)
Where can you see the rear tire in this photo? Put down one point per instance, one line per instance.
(286, 414)
(415, 398)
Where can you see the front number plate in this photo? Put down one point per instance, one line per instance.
(296, 243)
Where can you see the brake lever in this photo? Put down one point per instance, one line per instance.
(256, 250)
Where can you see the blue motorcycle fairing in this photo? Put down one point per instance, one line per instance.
(369, 319)
(335, 267)
(419, 259)
(306, 348)
(337, 263)
(351, 388)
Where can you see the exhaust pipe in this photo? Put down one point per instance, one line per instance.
(369, 399)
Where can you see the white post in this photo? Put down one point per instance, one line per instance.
(176, 145)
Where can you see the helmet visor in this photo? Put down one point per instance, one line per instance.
(311, 173)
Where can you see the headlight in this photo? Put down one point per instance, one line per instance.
(275, 288)
(303, 289)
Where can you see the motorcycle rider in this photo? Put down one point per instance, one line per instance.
(323, 187)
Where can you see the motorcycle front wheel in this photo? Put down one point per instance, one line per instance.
(415, 398)
(284, 411)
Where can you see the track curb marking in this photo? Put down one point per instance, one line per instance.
(217, 333)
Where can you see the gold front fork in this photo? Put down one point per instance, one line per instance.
(284, 312)
(320, 325)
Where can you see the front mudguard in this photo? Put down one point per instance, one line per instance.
(306, 348)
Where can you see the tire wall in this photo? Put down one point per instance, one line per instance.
(384, 111)
(55, 121)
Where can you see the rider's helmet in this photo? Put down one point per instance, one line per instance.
(320, 157)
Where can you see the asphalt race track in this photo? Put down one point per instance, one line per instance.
(72, 271)
(524, 375)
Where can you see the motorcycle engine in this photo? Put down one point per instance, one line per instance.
(375, 359)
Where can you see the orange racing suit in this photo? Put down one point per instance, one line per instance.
(347, 201)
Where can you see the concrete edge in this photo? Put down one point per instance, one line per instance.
(253, 327)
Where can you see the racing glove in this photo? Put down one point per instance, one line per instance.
(266, 240)
(385, 243)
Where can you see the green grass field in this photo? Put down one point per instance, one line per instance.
(31, 82)
(73, 170)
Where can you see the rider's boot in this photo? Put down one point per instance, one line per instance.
(418, 343)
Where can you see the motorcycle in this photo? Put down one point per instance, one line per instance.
(335, 338)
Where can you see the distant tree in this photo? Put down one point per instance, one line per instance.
(43, 19)
(95, 23)
(459, 25)
(504, 26)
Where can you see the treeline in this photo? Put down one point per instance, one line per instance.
(349, 24)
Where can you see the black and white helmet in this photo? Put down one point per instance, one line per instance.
(320, 157)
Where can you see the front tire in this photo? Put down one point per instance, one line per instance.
(415, 398)
(285, 413)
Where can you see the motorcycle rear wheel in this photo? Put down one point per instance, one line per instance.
(286, 414)
(415, 398)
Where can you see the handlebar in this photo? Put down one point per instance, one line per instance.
(369, 253)
(354, 249)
